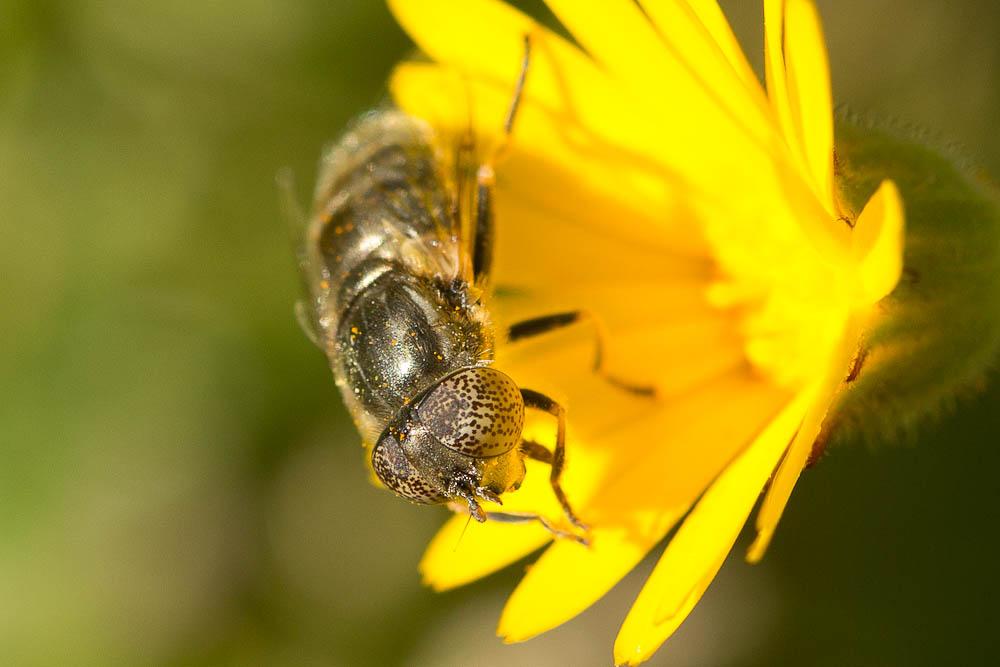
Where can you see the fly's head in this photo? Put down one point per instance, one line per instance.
(459, 440)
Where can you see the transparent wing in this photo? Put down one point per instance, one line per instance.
(296, 223)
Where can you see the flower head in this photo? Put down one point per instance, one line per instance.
(652, 181)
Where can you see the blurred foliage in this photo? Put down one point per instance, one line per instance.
(180, 484)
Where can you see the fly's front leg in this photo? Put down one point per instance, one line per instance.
(537, 326)
(482, 242)
(525, 517)
(557, 457)
(465, 491)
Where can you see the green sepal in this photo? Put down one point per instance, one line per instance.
(937, 334)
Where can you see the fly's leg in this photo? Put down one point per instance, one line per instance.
(557, 457)
(525, 517)
(464, 487)
(537, 326)
(475, 511)
(482, 242)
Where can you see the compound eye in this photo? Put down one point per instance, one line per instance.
(398, 474)
(477, 412)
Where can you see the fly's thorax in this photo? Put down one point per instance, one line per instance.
(402, 334)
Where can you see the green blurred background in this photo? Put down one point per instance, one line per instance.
(179, 483)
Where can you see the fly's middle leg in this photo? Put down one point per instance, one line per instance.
(537, 326)
(482, 242)
(555, 458)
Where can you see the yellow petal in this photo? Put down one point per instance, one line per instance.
(484, 39)
(569, 577)
(619, 301)
(662, 242)
(546, 154)
(641, 126)
(799, 89)
(703, 540)
(665, 458)
(549, 158)
(463, 551)
(615, 33)
(662, 462)
(666, 66)
(698, 35)
(633, 650)
(775, 75)
(809, 97)
(677, 350)
(878, 243)
(820, 398)
(785, 478)
(714, 21)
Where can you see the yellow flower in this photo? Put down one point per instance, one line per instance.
(652, 180)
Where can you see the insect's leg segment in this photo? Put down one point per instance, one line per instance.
(469, 496)
(537, 326)
(537, 451)
(524, 517)
(482, 243)
(464, 487)
(515, 102)
(556, 458)
(471, 505)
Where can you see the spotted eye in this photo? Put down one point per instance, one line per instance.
(398, 474)
(477, 412)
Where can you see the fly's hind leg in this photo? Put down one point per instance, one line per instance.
(537, 326)
(526, 517)
(555, 458)
(482, 241)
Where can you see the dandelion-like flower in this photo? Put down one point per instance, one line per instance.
(651, 180)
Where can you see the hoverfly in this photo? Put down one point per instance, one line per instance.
(397, 271)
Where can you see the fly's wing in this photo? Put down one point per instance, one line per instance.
(296, 222)
(463, 172)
